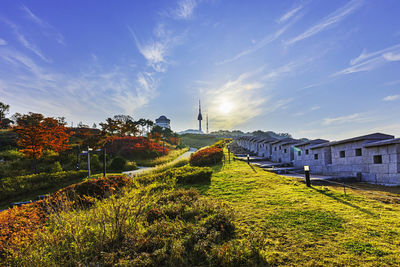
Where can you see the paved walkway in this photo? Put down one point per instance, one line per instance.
(185, 155)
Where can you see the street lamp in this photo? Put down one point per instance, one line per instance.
(307, 175)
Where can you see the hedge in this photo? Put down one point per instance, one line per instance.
(20, 185)
(207, 156)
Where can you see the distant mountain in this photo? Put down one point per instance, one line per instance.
(259, 133)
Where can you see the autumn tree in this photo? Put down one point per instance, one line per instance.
(37, 133)
(122, 125)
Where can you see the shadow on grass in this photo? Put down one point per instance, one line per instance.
(252, 167)
(328, 194)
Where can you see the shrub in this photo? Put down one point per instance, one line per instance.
(11, 187)
(182, 175)
(118, 164)
(141, 229)
(18, 225)
(135, 147)
(11, 155)
(192, 175)
(207, 156)
(85, 193)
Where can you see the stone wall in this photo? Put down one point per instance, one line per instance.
(387, 172)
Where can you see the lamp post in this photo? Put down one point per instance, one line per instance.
(77, 157)
(307, 175)
(88, 160)
(104, 161)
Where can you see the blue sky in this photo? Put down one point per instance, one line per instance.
(316, 68)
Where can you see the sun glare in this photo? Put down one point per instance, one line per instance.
(225, 107)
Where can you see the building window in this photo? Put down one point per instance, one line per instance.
(315, 156)
(299, 153)
(285, 150)
(358, 152)
(378, 159)
(306, 151)
(275, 148)
(342, 154)
(280, 147)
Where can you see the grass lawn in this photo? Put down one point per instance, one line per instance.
(172, 155)
(304, 226)
(199, 140)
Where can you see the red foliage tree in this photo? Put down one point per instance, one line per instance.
(37, 133)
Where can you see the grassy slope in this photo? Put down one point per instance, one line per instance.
(198, 140)
(172, 155)
(307, 226)
(34, 194)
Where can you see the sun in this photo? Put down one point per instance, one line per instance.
(225, 107)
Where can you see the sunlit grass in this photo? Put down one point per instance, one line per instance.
(172, 155)
(307, 226)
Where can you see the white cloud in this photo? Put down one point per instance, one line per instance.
(354, 118)
(22, 39)
(153, 51)
(328, 21)
(3, 42)
(369, 61)
(391, 56)
(289, 14)
(391, 98)
(88, 95)
(265, 41)
(48, 30)
(185, 9)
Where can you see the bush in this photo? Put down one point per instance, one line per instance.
(207, 156)
(85, 193)
(118, 164)
(12, 187)
(192, 175)
(170, 228)
(182, 175)
(11, 155)
(18, 225)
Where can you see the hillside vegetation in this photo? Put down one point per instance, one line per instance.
(199, 140)
(229, 214)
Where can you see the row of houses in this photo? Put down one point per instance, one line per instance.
(373, 158)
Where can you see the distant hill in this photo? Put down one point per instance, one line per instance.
(199, 140)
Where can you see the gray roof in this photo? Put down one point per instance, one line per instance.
(384, 142)
(312, 142)
(369, 137)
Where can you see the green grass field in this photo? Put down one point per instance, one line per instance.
(304, 226)
(198, 140)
